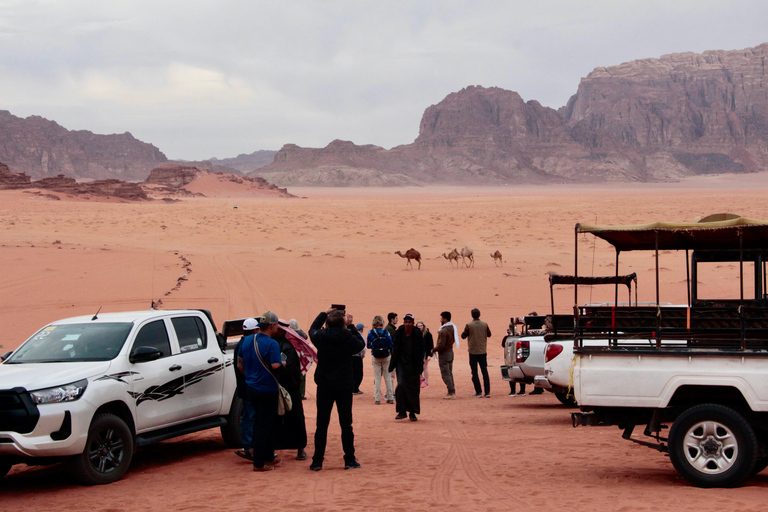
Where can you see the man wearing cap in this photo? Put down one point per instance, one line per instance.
(335, 346)
(408, 361)
(250, 326)
(357, 365)
(261, 388)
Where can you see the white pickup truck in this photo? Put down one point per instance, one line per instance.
(695, 376)
(89, 390)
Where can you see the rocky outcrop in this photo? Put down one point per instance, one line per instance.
(41, 148)
(173, 180)
(647, 120)
(246, 163)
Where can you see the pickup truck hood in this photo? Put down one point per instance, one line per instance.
(34, 376)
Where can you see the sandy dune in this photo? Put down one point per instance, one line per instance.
(296, 256)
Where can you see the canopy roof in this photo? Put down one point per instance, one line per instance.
(625, 280)
(702, 235)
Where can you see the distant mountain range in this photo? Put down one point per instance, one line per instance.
(646, 120)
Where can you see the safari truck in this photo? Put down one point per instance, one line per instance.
(694, 376)
(89, 390)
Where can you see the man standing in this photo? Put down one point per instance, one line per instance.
(446, 337)
(477, 333)
(408, 361)
(261, 388)
(335, 346)
(250, 326)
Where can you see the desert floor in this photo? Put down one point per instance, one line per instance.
(296, 257)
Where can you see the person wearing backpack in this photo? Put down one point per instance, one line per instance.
(380, 345)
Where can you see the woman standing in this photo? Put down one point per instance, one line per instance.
(380, 345)
(291, 429)
(429, 345)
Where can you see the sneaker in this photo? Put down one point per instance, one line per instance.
(275, 463)
(390, 401)
(315, 466)
(401, 416)
(302, 455)
(478, 395)
(520, 394)
(487, 395)
(377, 402)
(263, 468)
(512, 394)
(413, 417)
(352, 465)
(451, 396)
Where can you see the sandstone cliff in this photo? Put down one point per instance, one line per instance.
(41, 148)
(646, 120)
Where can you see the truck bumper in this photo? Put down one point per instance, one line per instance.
(513, 373)
(60, 431)
(541, 381)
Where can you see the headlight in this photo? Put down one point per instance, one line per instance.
(65, 393)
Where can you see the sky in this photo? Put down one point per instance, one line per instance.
(201, 79)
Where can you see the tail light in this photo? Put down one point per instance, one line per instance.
(553, 350)
(522, 351)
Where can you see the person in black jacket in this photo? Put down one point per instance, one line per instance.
(290, 429)
(335, 345)
(408, 361)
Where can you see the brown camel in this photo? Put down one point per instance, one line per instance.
(451, 257)
(467, 253)
(410, 254)
(497, 257)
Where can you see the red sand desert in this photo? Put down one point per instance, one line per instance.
(296, 257)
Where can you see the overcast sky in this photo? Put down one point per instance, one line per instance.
(201, 79)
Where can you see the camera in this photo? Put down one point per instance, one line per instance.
(340, 307)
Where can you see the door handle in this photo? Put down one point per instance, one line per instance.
(175, 367)
(213, 360)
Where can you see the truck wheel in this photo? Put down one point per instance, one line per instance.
(566, 399)
(230, 432)
(108, 452)
(711, 445)
(5, 467)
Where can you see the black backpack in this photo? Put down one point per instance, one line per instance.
(380, 345)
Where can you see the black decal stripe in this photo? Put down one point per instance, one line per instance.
(174, 387)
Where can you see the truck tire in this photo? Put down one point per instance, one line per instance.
(566, 399)
(5, 467)
(712, 445)
(230, 432)
(108, 452)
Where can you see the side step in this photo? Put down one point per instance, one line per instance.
(179, 430)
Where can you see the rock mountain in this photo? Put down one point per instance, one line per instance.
(645, 120)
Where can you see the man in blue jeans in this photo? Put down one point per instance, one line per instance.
(261, 388)
(250, 326)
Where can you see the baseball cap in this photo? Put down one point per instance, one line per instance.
(250, 324)
(267, 319)
(408, 315)
(359, 327)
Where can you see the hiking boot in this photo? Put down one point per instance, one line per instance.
(352, 465)
(401, 416)
(413, 417)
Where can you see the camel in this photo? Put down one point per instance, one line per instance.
(497, 257)
(467, 253)
(451, 257)
(410, 254)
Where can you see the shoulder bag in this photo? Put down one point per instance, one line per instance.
(284, 402)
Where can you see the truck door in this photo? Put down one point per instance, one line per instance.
(156, 384)
(202, 366)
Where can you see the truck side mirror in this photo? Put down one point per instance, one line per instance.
(144, 354)
(6, 355)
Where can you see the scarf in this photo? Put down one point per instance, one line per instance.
(455, 332)
(307, 354)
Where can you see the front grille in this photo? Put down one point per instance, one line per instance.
(18, 413)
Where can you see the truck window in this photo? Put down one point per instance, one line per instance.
(154, 335)
(190, 332)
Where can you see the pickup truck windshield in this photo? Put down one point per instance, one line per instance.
(73, 343)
